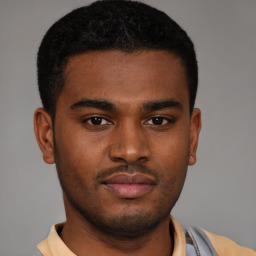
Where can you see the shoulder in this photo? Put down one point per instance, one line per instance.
(226, 247)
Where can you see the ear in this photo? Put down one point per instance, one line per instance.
(195, 127)
(44, 134)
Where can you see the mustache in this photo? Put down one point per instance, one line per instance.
(130, 168)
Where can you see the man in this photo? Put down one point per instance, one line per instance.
(118, 82)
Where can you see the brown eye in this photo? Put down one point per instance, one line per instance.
(160, 121)
(97, 120)
(157, 120)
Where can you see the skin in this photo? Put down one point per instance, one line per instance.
(133, 134)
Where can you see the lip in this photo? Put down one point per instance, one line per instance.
(130, 185)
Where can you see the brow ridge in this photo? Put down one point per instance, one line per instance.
(106, 105)
(93, 103)
(162, 104)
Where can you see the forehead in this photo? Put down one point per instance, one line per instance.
(121, 77)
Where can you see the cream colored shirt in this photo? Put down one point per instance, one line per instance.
(54, 246)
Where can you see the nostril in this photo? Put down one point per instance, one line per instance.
(126, 160)
(129, 147)
(119, 159)
(143, 159)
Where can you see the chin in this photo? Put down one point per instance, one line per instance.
(129, 224)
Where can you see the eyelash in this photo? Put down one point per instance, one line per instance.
(165, 121)
(96, 117)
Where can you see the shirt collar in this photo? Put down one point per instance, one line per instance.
(54, 246)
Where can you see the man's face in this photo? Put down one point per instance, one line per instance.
(123, 137)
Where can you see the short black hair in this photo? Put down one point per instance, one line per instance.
(110, 25)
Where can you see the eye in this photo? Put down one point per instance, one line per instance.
(159, 120)
(96, 120)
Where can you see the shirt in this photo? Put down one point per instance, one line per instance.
(54, 246)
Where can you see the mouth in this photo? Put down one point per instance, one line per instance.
(130, 186)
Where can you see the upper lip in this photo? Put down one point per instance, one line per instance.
(126, 178)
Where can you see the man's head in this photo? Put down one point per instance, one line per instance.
(120, 79)
(110, 25)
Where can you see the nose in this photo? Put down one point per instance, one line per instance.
(129, 145)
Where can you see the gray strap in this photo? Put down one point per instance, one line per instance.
(198, 243)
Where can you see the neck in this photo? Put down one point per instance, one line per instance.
(81, 236)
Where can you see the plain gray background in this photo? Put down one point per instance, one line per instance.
(220, 190)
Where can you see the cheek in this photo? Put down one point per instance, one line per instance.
(172, 149)
(171, 158)
(74, 145)
(79, 156)
(72, 154)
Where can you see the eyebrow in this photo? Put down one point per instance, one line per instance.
(106, 105)
(158, 105)
(89, 103)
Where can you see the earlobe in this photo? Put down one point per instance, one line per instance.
(44, 134)
(195, 127)
(192, 160)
